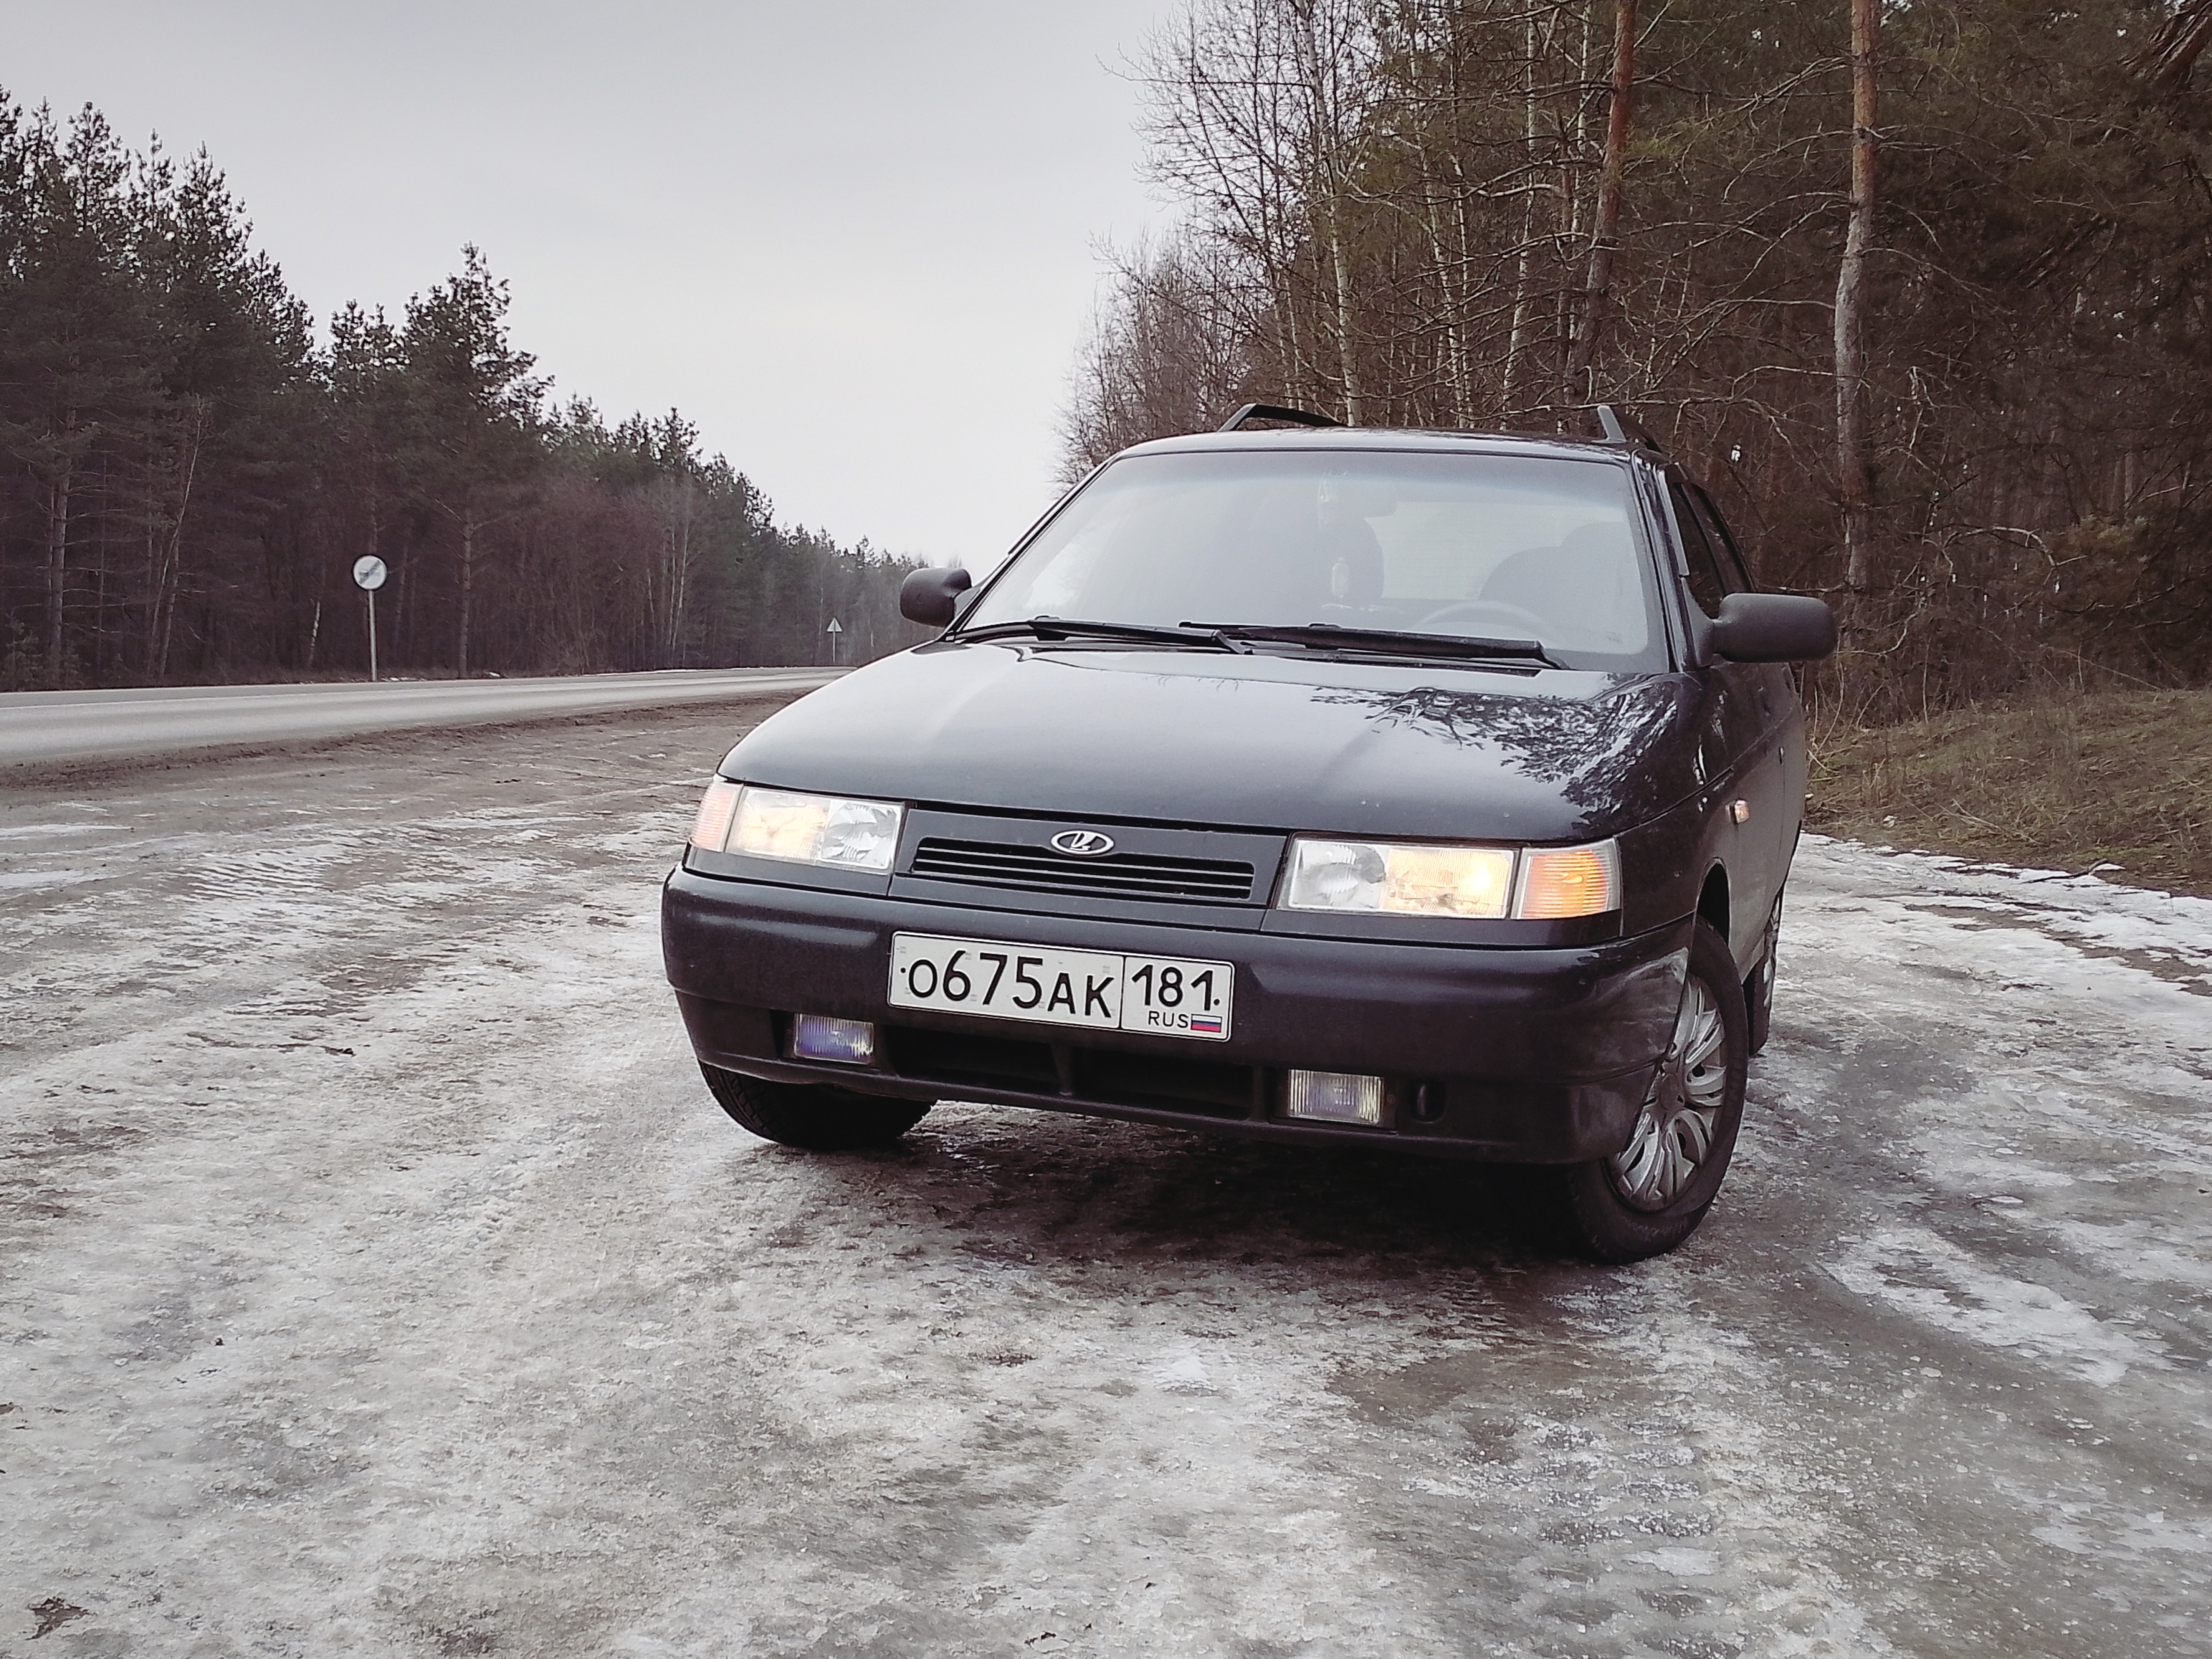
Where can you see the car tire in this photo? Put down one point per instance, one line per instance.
(814, 1117)
(1758, 988)
(1650, 1196)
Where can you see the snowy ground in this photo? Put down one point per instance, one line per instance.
(376, 1278)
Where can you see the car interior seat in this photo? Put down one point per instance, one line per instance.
(1586, 581)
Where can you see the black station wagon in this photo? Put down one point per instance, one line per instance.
(1425, 790)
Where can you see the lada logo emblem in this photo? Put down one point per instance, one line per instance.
(1082, 844)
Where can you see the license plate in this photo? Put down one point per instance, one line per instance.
(1104, 991)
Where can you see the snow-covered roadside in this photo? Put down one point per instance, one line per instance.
(2167, 934)
(2020, 1062)
(375, 1278)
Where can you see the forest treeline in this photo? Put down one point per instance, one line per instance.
(1919, 287)
(189, 468)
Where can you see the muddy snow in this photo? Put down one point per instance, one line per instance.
(377, 1278)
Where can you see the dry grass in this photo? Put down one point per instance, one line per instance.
(2059, 782)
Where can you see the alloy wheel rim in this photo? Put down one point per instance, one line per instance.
(1674, 1133)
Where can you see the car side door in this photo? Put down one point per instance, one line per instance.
(1746, 719)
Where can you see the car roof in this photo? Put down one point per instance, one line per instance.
(1401, 439)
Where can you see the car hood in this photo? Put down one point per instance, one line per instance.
(1258, 741)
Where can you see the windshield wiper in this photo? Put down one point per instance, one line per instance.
(1382, 642)
(1063, 628)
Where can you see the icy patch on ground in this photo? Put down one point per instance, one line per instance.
(1932, 1280)
(2166, 934)
(43, 877)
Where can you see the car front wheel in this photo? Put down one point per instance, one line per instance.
(1651, 1195)
(812, 1116)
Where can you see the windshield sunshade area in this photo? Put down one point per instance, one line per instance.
(1476, 546)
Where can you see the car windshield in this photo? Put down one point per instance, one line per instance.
(1475, 546)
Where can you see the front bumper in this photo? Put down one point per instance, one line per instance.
(1509, 1054)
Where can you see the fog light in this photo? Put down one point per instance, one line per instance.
(848, 1041)
(1336, 1098)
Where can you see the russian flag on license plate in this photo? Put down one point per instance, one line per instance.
(1209, 1024)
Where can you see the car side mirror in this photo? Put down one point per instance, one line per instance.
(930, 597)
(1772, 628)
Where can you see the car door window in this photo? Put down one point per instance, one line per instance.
(1710, 576)
(1732, 561)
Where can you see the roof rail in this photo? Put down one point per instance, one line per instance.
(1273, 412)
(1616, 427)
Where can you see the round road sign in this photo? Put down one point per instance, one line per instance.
(368, 573)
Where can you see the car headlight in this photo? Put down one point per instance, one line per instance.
(782, 823)
(1407, 879)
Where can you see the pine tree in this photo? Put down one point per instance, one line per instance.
(473, 415)
(77, 350)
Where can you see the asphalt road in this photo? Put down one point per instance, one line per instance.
(52, 727)
(377, 1278)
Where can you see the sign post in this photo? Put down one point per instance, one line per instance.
(368, 573)
(836, 633)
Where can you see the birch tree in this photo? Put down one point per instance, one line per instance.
(1854, 464)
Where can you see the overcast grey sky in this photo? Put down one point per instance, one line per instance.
(854, 242)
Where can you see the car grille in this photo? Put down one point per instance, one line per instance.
(1118, 875)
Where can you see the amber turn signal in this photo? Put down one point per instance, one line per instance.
(711, 829)
(1559, 882)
